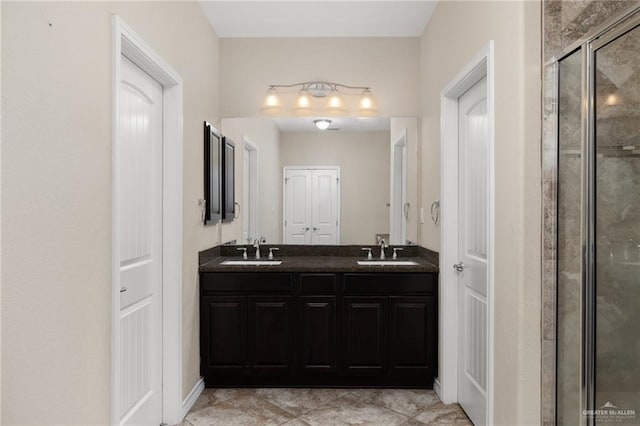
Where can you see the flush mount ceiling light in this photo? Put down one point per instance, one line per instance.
(322, 123)
(310, 90)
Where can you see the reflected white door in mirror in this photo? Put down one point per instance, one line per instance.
(399, 205)
(249, 209)
(311, 205)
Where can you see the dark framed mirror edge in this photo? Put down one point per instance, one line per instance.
(212, 187)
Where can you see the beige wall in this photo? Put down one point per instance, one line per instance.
(56, 197)
(455, 33)
(363, 158)
(265, 136)
(389, 65)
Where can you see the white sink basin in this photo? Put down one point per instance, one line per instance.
(387, 263)
(252, 262)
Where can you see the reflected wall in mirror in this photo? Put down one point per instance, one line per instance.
(212, 174)
(349, 184)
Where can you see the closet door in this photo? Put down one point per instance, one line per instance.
(297, 209)
(324, 206)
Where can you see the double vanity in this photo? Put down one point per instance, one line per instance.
(318, 316)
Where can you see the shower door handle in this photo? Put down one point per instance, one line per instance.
(459, 267)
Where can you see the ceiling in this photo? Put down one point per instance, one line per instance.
(329, 18)
(345, 124)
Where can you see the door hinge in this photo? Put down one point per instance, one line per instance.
(338, 181)
(336, 223)
(286, 181)
(285, 223)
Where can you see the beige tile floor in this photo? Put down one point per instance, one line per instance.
(322, 407)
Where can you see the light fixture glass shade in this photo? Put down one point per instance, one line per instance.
(304, 99)
(335, 103)
(272, 100)
(366, 101)
(322, 124)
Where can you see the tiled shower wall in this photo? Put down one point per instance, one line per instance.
(564, 23)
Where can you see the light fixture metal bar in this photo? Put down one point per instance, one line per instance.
(306, 84)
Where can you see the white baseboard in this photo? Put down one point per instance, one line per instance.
(436, 387)
(192, 398)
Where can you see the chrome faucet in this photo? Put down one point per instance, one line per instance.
(256, 244)
(382, 245)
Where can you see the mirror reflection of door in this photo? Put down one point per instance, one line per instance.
(311, 205)
(249, 208)
(399, 203)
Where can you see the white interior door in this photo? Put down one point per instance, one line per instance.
(472, 251)
(139, 167)
(297, 211)
(246, 190)
(324, 206)
(249, 208)
(399, 205)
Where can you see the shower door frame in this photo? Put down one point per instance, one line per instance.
(602, 36)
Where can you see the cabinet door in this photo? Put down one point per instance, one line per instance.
(297, 206)
(270, 334)
(412, 334)
(223, 337)
(325, 198)
(365, 340)
(317, 334)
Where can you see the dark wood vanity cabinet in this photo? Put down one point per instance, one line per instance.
(223, 328)
(365, 330)
(317, 322)
(279, 329)
(412, 333)
(317, 335)
(270, 338)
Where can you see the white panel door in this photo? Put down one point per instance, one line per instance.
(324, 206)
(472, 247)
(297, 211)
(246, 195)
(139, 167)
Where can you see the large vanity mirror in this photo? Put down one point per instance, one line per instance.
(354, 182)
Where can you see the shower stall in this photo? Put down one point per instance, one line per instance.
(598, 228)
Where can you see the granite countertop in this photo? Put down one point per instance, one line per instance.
(318, 264)
(335, 259)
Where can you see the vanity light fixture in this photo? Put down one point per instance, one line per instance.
(322, 123)
(321, 89)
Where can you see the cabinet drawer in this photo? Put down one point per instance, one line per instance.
(318, 283)
(212, 283)
(390, 283)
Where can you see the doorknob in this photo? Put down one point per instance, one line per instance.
(123, 289)
(316, 229)
(306, 229)
(459, 267)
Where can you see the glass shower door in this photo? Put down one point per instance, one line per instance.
(570, 239)
(617, 227)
